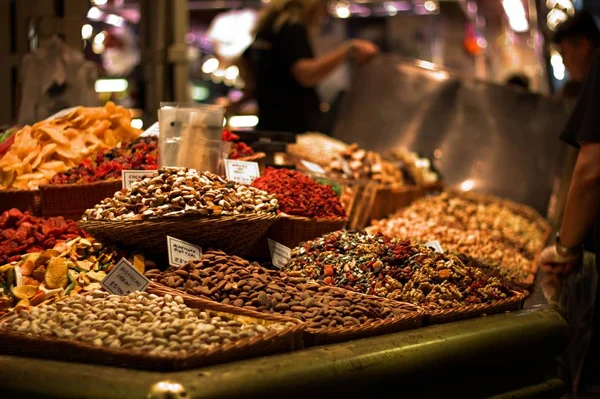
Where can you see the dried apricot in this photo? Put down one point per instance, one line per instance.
(24, 291)
(56, 273)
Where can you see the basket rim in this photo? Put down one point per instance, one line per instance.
(183, 219)
(18, 191)
(287, 216)
(478, 307)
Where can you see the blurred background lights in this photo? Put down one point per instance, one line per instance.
(342, 10)
(467, 185)
(517, 18)
(95, 14)
(431, 5)
(558, 68)
(210, 65)
(86, 31)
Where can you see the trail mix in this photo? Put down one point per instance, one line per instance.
(235, 281)
(141, 154)
(181, 191)
(395, 269)
(140, 321)
(489, 232)
(71, 267)
(20, 233)
(299, 195)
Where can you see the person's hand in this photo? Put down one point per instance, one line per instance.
(364, 50)
(554, 263)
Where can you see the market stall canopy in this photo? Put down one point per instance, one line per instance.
(481, 136)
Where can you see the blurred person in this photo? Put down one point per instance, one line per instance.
(284, 67)
(582, 209)
(579, 40)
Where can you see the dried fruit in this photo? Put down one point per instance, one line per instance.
(56, 273)
(24, 291)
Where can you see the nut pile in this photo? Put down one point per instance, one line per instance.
(71, 267)
(232, 280)
(140, 321)
(20, 233)
(181, 191)
(395, 269)
(299, 195)
(488, 232)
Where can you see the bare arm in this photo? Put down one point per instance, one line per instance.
(310, 71)
(583, 201)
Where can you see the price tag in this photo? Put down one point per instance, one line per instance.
(151, 131)
(124, 278)
(130, 176)
(280, 254)
(241, 171)
(313, 167)
(436, 246)
(181, 252)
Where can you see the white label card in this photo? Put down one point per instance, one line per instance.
(313, 167)
(241, 171)
(124, 279)
(153, 130)
(181, 252)
(280, 254)
(436, 246)
(130, 176)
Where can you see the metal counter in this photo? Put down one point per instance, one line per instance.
(506, 355)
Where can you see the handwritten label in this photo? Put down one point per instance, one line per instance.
(241, 171)
(313, 167)
(124, 279)
(181, 252)
(436, 246)
(153, 130)
(130, 176)
(280, 254)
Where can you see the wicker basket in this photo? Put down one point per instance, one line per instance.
(291, 230)
(447, 315)
(389, 200)
(285, 340)
(24, 200)
(72, 200)
(232, 234)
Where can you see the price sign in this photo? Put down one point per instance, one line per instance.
(241, 171)
(436, 246)
(181, 252)
(124, 279)
(151, 131)
(130, 176)
(280, 254)
(313, 167)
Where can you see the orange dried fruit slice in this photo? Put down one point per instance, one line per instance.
(56, 273)
(24, 291)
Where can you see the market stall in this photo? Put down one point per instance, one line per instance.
(254, 275)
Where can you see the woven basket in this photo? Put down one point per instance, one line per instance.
(72, 200)
(448, 315)
(24, 200)
(232, 234)
(389, 200)
(329, 335)
(285, 340)
(291, 230)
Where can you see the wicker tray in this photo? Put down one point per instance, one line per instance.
(233, 234)
(72, 200)
(291, 230)
(24, 200)
(471, 311)
(329, 335)
(17, 344)
(389, 200)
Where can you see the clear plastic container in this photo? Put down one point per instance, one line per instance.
(190, 136)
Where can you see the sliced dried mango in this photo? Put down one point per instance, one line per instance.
(92, 287)
(24, 291)
(139, 264)
(23, 304)
(46, 256)
(56, 273)
(96, 276)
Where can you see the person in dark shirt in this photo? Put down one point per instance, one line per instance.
(578, 39)
(285, 68)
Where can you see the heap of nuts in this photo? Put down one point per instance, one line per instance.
(181, 191)
(490, 232)
(235, 281)
(71, 267)
(21, 232)
(395, 269)
(299, 195)
(140, 322)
